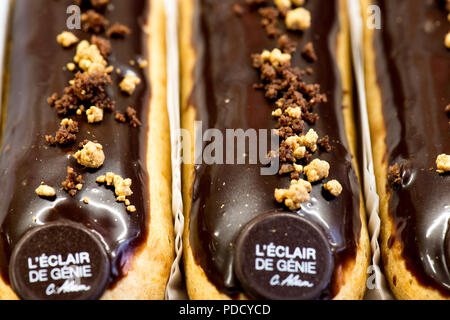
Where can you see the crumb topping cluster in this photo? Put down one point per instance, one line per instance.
(294, 101)
(86, 99)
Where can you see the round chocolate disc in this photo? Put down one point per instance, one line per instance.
(282, 256)
(59, 261)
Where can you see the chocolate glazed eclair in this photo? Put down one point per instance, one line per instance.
(408, 88)
(85, 213)
(284, 66)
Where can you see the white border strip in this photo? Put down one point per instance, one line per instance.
(175, 287)
(380, 290)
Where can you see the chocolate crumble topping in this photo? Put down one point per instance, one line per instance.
(309, 53)
(85, 89)
(118, 30)
(93, 21)
(73, 183)
(129, 116)
(103, 45)
(66, 133)
(395, 176)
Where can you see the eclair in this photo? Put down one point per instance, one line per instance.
(85, 154)
(279, 213)
(407, 61)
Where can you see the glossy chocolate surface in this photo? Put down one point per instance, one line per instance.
(227, 197)
(35, 72)
(413, 74)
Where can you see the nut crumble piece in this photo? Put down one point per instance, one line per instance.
(317, 170)
(93, 22)
(129, 83)
(118, 30)
(297, 194)
(45, 191)
(276, 57)
(91, 156)
(333, 187)
(443, 163)
(298, 19)
(447, 40)
(89, 58)
(73, 182)
(67, 39)
(283, 4)
(94, 114)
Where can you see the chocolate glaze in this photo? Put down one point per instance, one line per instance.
(413, 66)
(35, 71)
(226, 197)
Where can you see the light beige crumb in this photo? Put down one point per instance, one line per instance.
(129, 83)
(298, 168)
(276, 57)
(45, 191)
(277, 113)
(131, 209)
(121, 199)
(89, 58)
(298, 19)
(86, 200)
(310, 140)
(447, 40)
(143, 63)
(71, 66)
(94, 114)
(91, 156)
(122, 186)
(333, 187)
(443, 163)
(283, 4)
(317, 170)
(297, 194)
(67, 39)
(109, 69)
(294, 113)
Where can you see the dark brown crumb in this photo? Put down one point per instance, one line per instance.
(94, 22)
(270, 21)
(73, 182)
(132, 117)
(129, 116)
(87, 89)
(102, 44)
(286, 44)
(118, 30)
(65, 135)
(309, 53)
(324, 144)
(120, 117)
(394, 176)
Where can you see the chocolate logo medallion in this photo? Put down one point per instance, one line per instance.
(282, 256)
(59, 261)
